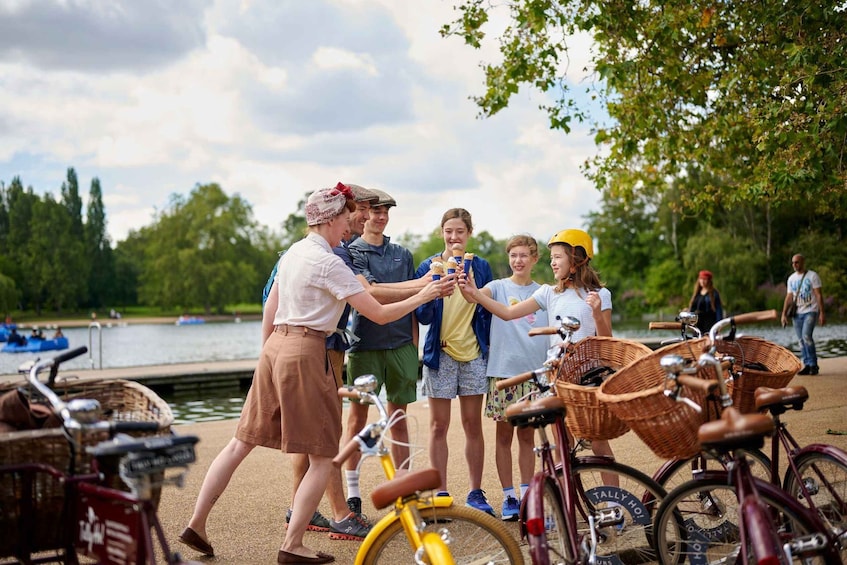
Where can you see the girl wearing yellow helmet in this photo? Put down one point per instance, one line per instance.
(578, 292)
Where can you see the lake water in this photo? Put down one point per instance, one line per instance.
(130, 345)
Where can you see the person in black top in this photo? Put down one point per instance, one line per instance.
(706, 302)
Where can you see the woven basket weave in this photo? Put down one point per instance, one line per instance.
(121, 401)
(587, 417)
(781, 366)
(635, 394)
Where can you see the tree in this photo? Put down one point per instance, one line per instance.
(200, 253)
(98, 249)
(71, 241)
(752, 93)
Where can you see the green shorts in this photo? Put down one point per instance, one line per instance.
(396, 369)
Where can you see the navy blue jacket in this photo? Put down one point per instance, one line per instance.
(429, 314)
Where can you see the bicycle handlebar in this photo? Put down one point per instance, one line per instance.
(543, 331)
(348, 450)
(59, 407)
(705, 385)
(518, 379)
(748, 318)
(665, 326)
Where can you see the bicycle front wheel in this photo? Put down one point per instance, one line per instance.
(683, 470)
(825, 479)
(709, 510)
(475, 537)
(603, 485)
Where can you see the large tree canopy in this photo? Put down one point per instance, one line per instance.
(750, 95)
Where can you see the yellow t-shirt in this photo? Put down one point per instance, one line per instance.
(457, 337)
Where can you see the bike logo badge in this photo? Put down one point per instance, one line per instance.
(108, 532)
(629, 503)
(91, 530)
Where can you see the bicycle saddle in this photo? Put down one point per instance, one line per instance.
(780, 400)
(736, 430)
(401, 487)
(536, 413)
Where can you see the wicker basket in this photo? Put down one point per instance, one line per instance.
(781, 366)
(587, 417)
(121, 401)
(635, 394)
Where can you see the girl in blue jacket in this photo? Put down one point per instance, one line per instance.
(454, 358)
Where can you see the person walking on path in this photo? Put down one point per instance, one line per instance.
(390, 351)
(706, 302)
(294, 380)
(454, 358)
(804, 293)
(513, 352)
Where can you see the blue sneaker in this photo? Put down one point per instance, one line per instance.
(511, 509)
(476, 499)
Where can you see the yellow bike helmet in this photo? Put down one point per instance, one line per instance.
(574, 238)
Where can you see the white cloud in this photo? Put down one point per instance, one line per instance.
(272, 100)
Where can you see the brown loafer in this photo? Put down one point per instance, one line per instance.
(193, 540)
(286, 557)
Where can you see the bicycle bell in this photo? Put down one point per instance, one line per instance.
(673, 364)
(571, 323)
(687, 318)
(365, 383)
(85, 410)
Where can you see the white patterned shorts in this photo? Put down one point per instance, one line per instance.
(498, 400)
(454, 378)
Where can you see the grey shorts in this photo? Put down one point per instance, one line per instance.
(454, 378)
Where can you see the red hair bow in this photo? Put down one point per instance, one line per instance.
(342, 188)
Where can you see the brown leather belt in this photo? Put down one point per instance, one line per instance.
(286, 329)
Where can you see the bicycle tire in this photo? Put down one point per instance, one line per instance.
(550, 544)
(709, 510)
(681, 471)
(474, 535)
(827, 477)
(632, 542)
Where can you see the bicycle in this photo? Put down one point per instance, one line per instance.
(731, 514)
(676, 471)
(97, 520)
(582, 509)
(431, 529)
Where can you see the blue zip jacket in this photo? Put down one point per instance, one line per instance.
(429, 314)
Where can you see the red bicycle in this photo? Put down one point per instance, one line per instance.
(96, 520)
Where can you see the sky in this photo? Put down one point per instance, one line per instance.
(272, 99)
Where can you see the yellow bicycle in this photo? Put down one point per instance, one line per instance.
(437, 531)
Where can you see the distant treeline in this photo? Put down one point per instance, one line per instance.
(206, 251)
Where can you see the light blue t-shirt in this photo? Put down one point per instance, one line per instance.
(512, 350)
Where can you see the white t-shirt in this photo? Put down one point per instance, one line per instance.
(512, 351)
(571, 302)
(313, 285)
(806, 301)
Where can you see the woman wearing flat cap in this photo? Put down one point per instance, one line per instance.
(706, 302)
(293, 403)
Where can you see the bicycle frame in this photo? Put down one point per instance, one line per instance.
(406, 509)
(757, 525)
(102, 522)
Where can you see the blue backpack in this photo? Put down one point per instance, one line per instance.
(267, 290)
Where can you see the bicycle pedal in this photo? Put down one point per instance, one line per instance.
(809, 544)
(609, 517)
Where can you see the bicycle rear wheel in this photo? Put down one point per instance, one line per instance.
(825, 478)
(548, 537)
(709, 510)
(605, 484)
(476, 538)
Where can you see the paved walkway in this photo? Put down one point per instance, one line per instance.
(247, 524)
